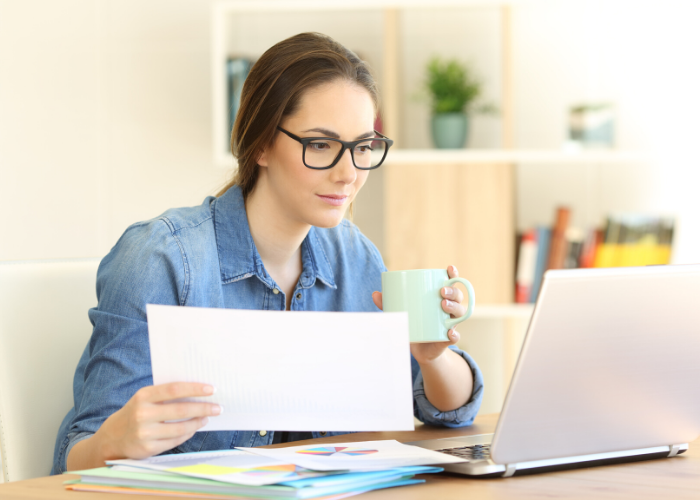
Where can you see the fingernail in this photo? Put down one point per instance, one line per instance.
(205, 421)
(448, 303)
(447, 291)
(217, 410)
(208, 389)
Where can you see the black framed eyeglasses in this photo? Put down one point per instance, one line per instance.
(321, 153)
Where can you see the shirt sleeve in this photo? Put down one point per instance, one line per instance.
(428, 414)
(144, 267)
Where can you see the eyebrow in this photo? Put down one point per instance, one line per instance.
(334, 135)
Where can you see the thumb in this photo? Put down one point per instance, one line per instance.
(377, 298)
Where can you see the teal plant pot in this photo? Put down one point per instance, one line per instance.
(449, 130)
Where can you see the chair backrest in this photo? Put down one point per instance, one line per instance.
(44, 328)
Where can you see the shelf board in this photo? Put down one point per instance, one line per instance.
(503, 311)
(515, 156)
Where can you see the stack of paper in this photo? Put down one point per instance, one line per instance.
(329, 472)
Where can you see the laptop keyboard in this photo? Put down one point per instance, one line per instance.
(476, 452)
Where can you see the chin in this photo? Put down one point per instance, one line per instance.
(327, 221)
(325, 224)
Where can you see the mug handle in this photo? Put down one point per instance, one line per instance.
(450, 322)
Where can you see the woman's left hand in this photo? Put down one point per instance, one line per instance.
(451, 304)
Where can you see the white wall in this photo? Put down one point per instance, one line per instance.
(104, 120)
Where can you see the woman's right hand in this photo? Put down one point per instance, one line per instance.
(142, 427)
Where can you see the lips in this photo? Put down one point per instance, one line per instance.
(333, 199)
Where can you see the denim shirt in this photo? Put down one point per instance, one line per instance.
(205, 257)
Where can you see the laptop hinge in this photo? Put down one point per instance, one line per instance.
(674, 450)
(510, 470)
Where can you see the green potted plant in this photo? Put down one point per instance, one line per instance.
(455, 93)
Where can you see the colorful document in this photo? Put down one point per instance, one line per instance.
(228, 466)
(362, 456)
(293, 371)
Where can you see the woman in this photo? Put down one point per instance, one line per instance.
(275, 238)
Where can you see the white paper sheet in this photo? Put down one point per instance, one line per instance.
(360, 456)
(292, 371)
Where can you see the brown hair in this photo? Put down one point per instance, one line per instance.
(274, 87)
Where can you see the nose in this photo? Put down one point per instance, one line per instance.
(344, 171)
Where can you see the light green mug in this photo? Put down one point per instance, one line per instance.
(417, 292)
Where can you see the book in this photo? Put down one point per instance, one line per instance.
(527, 262)
(635, 240)
(558, 246)
(590, 246)
(544, 235)
(664, 249)
(574, 247)
(237, 69)
(606, 255)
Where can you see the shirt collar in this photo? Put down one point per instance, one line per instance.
(238, 257)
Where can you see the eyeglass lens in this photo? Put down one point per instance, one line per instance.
(322, 153)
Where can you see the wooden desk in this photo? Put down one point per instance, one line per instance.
(658, 479)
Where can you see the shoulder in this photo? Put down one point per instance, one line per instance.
(346, 243)
(180, 219)
(152, 255)
(160, 235)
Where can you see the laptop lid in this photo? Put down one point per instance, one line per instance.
(610, 362)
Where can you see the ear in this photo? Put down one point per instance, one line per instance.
(262, 159)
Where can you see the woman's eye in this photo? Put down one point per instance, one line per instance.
(319, 146)
(364, 148)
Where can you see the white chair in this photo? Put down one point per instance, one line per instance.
(44, 328)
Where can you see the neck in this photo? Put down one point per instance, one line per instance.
(277, 237)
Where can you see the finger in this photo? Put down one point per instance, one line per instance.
(175, 390)
(454, 308)
(377, 298)
(185, 410)
(452, 272)
(174, 430)
(452, 293)
(454, 336)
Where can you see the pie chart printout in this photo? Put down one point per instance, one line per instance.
(329, 451)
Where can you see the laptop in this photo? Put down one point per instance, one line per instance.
(609, 372)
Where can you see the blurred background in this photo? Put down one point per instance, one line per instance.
(578, 148)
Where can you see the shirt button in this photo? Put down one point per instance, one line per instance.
(298, 296)
(263, 433)
(324, 433)
(275, 291)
